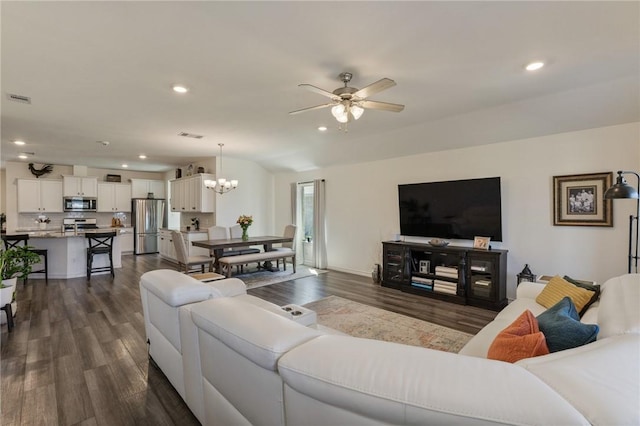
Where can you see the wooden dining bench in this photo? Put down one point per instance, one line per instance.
(265, 256)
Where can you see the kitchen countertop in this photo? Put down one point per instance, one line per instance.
(56, 233)
(184, 230)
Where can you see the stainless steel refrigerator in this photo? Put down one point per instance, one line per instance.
(149, 216)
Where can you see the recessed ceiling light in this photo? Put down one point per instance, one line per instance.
(23, 155)
(19, 142)
(125, 166)
(322, 128)
(533, 66)
(142, 157)
(103, 143)
(180, 89)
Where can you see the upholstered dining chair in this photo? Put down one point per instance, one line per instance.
(186, 262)
(217, 233)
(289, 232)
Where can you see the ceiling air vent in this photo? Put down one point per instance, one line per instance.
(19, 98)
(190, 135)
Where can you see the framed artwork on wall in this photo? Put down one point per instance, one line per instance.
(578, 200)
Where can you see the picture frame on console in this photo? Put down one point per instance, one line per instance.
(481, 243)
(578, 200)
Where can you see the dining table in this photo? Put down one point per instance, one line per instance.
(217, 247)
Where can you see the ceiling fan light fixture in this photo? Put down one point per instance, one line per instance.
(356, 111)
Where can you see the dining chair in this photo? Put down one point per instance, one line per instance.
(289, 232)
(217, 233)
(184, 260)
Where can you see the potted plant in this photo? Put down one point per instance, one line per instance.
(15, 263)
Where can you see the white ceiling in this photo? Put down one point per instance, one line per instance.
(104, 71)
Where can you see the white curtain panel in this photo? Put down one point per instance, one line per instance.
(319, 229)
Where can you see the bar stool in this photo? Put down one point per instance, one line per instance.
(13, 241)
(99, 243)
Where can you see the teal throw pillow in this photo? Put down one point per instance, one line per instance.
(562, 328)
(591, 287)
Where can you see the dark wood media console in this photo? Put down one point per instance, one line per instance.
(454, 274)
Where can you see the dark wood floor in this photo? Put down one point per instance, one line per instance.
(78, 355)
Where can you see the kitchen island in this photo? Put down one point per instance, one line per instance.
(67, 252)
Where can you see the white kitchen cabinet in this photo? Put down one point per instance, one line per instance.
(80, 186)
(140, 188)
(39, 196)
(167, 249)
(126, 240)
(114, 197)
(190, 195)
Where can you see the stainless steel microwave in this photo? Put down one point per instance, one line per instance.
(80, 204)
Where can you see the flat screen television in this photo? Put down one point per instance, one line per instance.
(459, 209)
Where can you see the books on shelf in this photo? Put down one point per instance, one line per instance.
(483, 283)
(479, 268)
(422, 280)
(422, 285)
(446, 270)
(447, 287)
(446, 290)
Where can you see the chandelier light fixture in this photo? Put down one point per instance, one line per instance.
(221, 185)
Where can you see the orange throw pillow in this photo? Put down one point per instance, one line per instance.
(522, 339)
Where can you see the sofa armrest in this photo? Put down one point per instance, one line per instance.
(229, 287)
(530, 290)
(175, 288)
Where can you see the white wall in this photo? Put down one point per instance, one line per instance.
(362, 201)
(254, 196)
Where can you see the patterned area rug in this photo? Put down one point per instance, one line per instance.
(358, 320)
(259, 278)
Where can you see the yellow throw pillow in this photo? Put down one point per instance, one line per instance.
(558, 288)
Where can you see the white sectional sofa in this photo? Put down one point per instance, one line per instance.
(256, 366)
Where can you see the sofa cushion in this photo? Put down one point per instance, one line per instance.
(521, 339)
(618, 312)
(591, 287)
(401, 384)
(562, 328)
(479, 344)
(557, 288)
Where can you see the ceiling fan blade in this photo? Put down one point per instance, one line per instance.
(373, 88)
(298, 111)
(385, 106)
(319, 91)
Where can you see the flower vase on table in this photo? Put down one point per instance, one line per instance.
(245, 222)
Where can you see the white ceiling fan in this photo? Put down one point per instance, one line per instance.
(348, 103)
